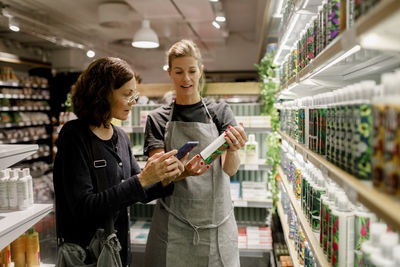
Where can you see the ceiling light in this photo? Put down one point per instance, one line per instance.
(213, 1)
(216, 25)
(165, 67)
(220, 19)
(145, 37)
(12, 24)
(90, 53)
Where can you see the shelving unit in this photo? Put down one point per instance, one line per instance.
(285, 228)
(141, 129)
(324, 73)
(310, 236)
(382, 205)
(15, 223)
(11, 154)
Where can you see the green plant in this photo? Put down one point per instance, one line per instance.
(269, 87)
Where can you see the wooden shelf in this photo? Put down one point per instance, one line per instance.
(384, 206)
(285, 228)
(314, 78)
(15, 223)
(310, 236)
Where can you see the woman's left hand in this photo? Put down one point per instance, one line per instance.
(236, 137)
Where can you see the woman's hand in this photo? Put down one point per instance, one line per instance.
(194, 167)
(161, 167)
(235, 137)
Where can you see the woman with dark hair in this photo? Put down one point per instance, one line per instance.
(105, 90)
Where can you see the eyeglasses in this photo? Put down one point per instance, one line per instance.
(135, 97)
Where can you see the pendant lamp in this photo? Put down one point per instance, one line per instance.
(145, 37)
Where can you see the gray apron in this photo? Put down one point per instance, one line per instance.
(195, 226)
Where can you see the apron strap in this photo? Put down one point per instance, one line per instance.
(196, 228)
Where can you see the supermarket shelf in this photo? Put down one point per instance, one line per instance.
(261, 165)
(328, 70)
(310, 236)
(285, 228)
(22, 96)
(255, 203)
(24, 124)
(25, 139)
(382, 205)
(25, 108)
(11, 154)
(15, 223)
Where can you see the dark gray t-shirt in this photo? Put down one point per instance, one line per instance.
(221, 114)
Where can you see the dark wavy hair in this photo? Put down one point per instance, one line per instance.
(92, 92)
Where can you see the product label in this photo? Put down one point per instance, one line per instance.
(378, 132)
(335, 240)
(362, 141)
(216, 153)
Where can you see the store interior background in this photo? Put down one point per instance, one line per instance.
(54, 38)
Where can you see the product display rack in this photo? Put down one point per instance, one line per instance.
(382, 205)
(285, 228)
(310, 236)
(323, 73)
(141, 129)
(15, 223)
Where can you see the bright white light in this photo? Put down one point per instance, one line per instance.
(14, 28)
(90, 53)
(220, 19)
(353, 50)
(216, 25)
(213, 1)
(144, 44)
(165, 67)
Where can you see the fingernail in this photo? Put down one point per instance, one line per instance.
(201, 163)
(208, 167)
(226, 131)
(197, 156)
(229, 126)
(224, 135)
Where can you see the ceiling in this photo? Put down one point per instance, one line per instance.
(49, 28)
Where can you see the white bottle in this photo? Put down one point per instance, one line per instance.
(4, 176)
(242, 154)
(343, 225)
(22, 191)
(386, 243)
(12, 190)
(370, 247)
(251, 150)
(28, 176)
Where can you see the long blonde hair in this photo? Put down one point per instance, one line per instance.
(187, 48)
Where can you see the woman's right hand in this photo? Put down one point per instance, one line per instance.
(161, 167)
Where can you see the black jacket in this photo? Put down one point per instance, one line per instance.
(80, 209)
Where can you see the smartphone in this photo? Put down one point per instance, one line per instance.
(186, 148)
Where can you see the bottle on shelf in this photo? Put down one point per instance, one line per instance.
(18, 251)
(370, 247)
(4, 176)
(251, 150)
(387, 242)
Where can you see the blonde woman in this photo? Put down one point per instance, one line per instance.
(195, 226)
